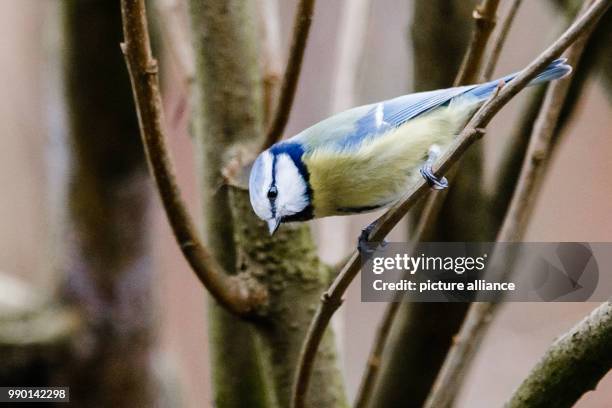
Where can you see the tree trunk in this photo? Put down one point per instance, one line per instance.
(253, 362)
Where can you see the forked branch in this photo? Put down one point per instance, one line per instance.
(236, 295)
(500, 39)
(332, 298)
(485, 19)
(486, 10)
(480, 314)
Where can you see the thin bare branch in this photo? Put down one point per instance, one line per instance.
(374, 359)
(270, 55)
(485, 19)
(480, 314)
(236, 295)
(303, 20)
(432, 207)
(500, 39)
(331, 300)
(424, 229)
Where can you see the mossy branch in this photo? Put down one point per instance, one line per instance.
(571, 367)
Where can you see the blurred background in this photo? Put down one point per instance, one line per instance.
(37, 176)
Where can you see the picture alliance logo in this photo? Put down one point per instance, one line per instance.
(569, 273)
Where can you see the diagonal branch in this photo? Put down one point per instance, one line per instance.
(485, 19)
(236, 295)
(500, 39)
(480, 314)
(332, 298)
(303, 20)
(572, 366)
(374, 359)
(486, 12)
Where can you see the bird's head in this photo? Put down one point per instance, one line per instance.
(278, 186)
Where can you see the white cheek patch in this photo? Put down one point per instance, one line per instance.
(259, 184)
(292, 189)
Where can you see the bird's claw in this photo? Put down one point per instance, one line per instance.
(364, 245)
(437, 183)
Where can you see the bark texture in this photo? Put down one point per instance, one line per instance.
(253, 362)
(572, 366)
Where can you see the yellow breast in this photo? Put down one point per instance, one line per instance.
(381, 168)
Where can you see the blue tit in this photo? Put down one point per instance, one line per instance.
(366, 158)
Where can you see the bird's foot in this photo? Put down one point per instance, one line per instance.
(437, 183)
(364, 245)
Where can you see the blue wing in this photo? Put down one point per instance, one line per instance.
(350, 128)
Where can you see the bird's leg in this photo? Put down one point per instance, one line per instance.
(364, 244)
(437, 183)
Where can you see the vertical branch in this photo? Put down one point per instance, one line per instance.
(373, 363)
(514, 152)
(227, 97)
(439, 33)
(331, 300)
(597, 58)
(534, 167)
(253, 362)
(288, 264)
(268, 14)
(303, 19)
(484, 18)
(409, 322)
(500, 40)
(451, 224)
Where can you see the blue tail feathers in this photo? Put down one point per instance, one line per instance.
(557, 69)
